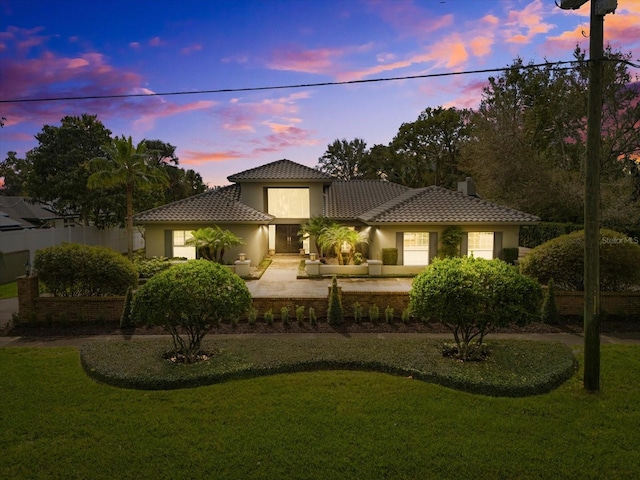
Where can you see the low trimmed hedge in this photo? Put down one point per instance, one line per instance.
(513, 369)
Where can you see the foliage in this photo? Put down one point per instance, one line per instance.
(336, 236)
(388, 314)
(529, 140)
(313, 320)
(300, 314)
(284, 316)
(424, 152)
(510, 255)
(313, 228)
(56, 174)
(344, 160)
(374, 313)
(533, 235)
(126, 166)
(563, 260)
(190, 298)
(14, 172)
(550, 313)
(406, 315)
(335, 315)
(357, 258)
(389, 256)
(450, 242)
(357, 312)
(125, 319)
(74, 270)
(268, 317)
(472, 296)
(148, 267)
(252, 315)
(211, 242)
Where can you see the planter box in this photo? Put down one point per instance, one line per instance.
(344, 269)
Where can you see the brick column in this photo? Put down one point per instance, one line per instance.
(28, 291)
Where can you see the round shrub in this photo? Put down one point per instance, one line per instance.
(189, 298)
(473, 296)
(74, 270)
(562, 259)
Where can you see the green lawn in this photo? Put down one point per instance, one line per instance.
(55, 422)
(8, 290)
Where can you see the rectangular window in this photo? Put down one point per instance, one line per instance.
(288, 202)
(180, 249)
(481, 245)
(416, 248)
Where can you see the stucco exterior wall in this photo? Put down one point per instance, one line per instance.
(254, 236)
(385, 237)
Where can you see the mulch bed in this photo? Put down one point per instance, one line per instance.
(571, 325)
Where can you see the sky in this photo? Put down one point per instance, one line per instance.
(62, 48)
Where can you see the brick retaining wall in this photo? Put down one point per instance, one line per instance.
(36, 309)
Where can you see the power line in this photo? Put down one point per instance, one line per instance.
(303, 85)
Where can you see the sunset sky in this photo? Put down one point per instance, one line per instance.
(85, 48)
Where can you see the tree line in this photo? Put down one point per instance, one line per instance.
(524, 145)
(134, 177)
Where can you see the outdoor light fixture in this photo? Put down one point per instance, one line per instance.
(28, 267)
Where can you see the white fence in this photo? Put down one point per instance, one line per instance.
(34, 239)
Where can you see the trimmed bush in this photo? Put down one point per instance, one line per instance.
(550, 313)
(389, 256)
(74, 270)
(533, 235)
(563, 260)
(374, 313)
(357, 312)
(148, 267)
(335, 314)
(125, 319)
(472, 297)
(510, 255)
(187, 300)
(450, 242)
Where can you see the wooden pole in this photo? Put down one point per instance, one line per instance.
(592, 207)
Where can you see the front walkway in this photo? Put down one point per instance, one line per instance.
(280, 280)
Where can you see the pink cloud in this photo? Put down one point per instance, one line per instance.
(193, 157)
(242, 116)
(156, 42)
(319, 61)
(191, 48)
(523, 25)
(409, 18)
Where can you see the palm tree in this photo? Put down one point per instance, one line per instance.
(227, 239)
(314, 229)
(127, 166)
(206, 242)
(337, 236)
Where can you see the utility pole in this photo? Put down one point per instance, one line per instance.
(599, 8)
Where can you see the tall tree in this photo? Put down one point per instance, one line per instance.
(426, 151)
(14, 173)
(528, 146)
(344, 159)
(127, 166)
(57, 175)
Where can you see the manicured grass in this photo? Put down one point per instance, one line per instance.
(58, 423)
(8, 290)
(514, 368)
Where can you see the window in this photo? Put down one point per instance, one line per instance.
(416, 248)
(481, 245)
(288, 202)
(180, 249)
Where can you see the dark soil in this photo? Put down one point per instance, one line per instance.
(570, 325)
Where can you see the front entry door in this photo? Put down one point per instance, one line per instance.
(287, 240)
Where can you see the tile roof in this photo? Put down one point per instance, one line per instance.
(439, 205)
(216, 205)
(281, 170)
(348, 199)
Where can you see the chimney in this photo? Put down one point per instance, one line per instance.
(468, 187)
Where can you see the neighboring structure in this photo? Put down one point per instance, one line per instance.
(17, 213)
(265, 206)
